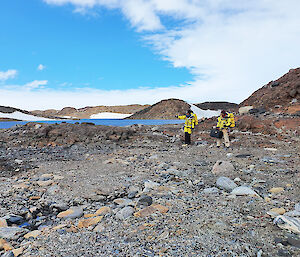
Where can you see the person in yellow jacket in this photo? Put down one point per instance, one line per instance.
(225, 122)
(190, 122)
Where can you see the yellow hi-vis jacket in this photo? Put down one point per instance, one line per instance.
(226, 122)
(190, 122)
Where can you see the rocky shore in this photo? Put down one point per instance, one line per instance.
(85, 190)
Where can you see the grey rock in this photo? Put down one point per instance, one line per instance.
(222, 167)
(289, 223)
(145, 200)
(14, 219)
(243, 190)
(12, 232)
(211, 190)
(226, 183)
(77, 213)
(125, 213)
(297, 207)
(294, 240)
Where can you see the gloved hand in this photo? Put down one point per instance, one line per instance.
(176, 116)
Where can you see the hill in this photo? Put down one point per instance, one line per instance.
(282, 94)
(89, 111)
(165, 109)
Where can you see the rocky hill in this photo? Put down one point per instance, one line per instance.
(86, 112)
(10, 113)
(217, 106)
(165, 109)
(282, 94)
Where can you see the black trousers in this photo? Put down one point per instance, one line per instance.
(187, 138)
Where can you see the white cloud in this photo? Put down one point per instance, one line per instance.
(35, 85)
(231, 47)
(9, 74)
(41, 67)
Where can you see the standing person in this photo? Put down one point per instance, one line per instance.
(190, 122)
(225, 122)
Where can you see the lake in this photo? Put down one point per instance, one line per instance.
(106, 122)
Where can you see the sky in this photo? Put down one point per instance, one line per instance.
(58, 53)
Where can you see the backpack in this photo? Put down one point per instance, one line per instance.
(231, 118)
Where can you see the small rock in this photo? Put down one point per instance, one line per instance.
(289, 223)
(150, 185)
(45, 183)
(3, 223)
(222, 167)
(125, 213)
(103, 210)
(276, 190)
(5, 245)
(145, 200)
(294, 240)
(72, 213)
(243, 190)
(33, 234)
(12, 232)
(226, 184)
(120, 202)
(18, 251)
(85, 223)
(211, 190)
(99, 228)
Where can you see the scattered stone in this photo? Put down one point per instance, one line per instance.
(245, 109)
(150, 185)
(222, 167)
(289, 223)
(33, 234)
(150, 210)
(3, 223)
(120, 202)
(226, 184)
(145, 200)
(243, 190)
(294, 240)
(45, 183)
(85, 223)
(4, 245)
(99, 228)
(18, 251)
(246, 155)
(72, 213)
(276, 190)
(103, 210)
(211, 190)
(276, 211)
(125, 213)
(12, 232)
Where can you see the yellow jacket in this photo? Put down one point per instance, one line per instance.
(226, 122)
(190, 122)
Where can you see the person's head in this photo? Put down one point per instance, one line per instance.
(223, 113)
(188, 113)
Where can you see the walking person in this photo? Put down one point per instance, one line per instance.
(225, 122)
(190, 122)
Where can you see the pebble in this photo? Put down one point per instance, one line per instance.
(226, 184)
(72, 213)
(103, 210)
(276, 190)
(45, 183)
(243, 190)
(222, 167)
(211, 190)
(33, 234)
(145, 200)
(125, 213)
(85, 223)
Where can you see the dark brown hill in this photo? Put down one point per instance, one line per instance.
(165, 109)
(282, 93)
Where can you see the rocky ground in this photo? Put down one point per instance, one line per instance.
(83, 190)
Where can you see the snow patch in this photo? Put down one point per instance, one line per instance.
(22, 116)
(109, 115)
(204, 113)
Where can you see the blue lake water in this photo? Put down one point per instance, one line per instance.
(106, 122)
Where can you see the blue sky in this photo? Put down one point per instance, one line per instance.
(98, 51)
(57, 53)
